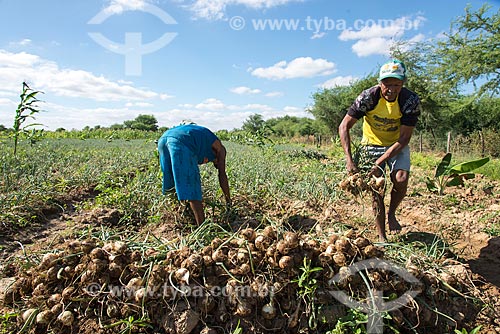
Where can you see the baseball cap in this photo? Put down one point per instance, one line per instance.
(393, 69)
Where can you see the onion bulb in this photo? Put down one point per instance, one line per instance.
(44, 317)
(269, 311)
(66, 318)
(29, 314)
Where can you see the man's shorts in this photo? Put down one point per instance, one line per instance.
(180, 169)
(399, 162)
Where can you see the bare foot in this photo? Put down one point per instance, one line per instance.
(394, 226)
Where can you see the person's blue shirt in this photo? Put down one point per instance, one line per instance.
(197, 138)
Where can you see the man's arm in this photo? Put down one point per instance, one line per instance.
(220, 164)
(345, 139)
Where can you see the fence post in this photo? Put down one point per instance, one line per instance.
(448, 143)
(317, 139)
(482, 143)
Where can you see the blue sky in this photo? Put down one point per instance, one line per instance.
(214, 62)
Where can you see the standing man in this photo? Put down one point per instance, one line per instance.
(390, 112)
(182, 149)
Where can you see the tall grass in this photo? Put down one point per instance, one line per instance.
(429, 161)
(42, 177)
(124, 174)
(274, 174)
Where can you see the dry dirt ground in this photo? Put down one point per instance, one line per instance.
(461, 224)
(459, 218)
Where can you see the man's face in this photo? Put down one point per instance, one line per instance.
(391, 88)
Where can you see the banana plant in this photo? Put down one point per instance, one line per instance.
(454, 175)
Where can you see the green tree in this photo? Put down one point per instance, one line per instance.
(306, 127)
(142, 122)
(469, 114)
(434, 99)
(289, 126)
(331, 104)
(253, 123)
(117, 127)
(320, 128)
(223, 135)
(471, 52)
(285, 126)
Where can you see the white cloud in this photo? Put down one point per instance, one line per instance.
(275, 94)
(338, 81)
(55, 116)
(373, 46)
(217, 115)
(417, 38)
(377, 37)
(212, 120)
(139, 104)
(21, 43)
(254, 107)
(9, 94)
(74, 99)
(21, 59)
(77, 87)
(302, 67)
(294, 111)
(7, 111)
(209, 9)
(71, 83)
(46, 76)
(216, 9)
(211, 104)
(242, 90)
(165, 96)
(7, 102)
(374, 31)
(212, 112)
(119, 6)
(381, 46)
(318, 35)
(216, 105)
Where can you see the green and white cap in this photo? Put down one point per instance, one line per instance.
(393, 69)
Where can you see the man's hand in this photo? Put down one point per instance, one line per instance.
(230, 213)
(352, 168)
(375, 171)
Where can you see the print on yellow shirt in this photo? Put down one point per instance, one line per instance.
(381, 125)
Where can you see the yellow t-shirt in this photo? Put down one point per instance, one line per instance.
(381, 125)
